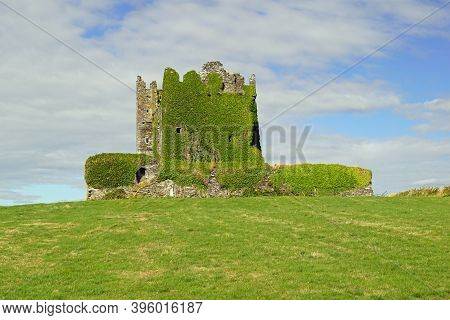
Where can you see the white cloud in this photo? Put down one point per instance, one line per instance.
(16, 197)
(433, 181)
(356, 95)
(434, 116)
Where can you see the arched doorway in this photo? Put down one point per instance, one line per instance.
(140, 174)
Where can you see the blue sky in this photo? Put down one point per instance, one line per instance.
(381, 123)
(114, 16)
(395, 106)
(417, 71)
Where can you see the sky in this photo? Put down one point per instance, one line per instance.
(390, 113)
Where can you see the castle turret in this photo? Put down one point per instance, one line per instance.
(146, 105)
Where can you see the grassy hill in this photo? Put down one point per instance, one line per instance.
(241, 248)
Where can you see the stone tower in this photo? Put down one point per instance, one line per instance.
(146, 107)
(176, 117)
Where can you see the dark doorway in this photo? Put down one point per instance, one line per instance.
(140, 174)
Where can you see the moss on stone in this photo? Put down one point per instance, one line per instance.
(114, 194)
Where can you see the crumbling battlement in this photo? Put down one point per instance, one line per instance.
(232, 82)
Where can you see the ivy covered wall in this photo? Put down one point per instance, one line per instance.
(110, 170)
(201, 123)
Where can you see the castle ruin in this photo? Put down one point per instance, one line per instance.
(152, 109)
(198, 136)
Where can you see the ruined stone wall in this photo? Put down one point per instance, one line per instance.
(152, 187)
(168, 188)
(232, 82)
(147, 103)
(362, 192)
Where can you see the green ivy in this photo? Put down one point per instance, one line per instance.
(155, 138)
(319, 179)
(110, 170)
(186, 173)
(234, 176)
(203, 124)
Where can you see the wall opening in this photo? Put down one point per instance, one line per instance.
(256, 142)
(140, 174)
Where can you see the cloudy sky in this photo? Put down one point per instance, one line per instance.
(391, 113)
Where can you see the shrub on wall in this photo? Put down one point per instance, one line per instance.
(362, 176)
(110, 170)
(319, 179)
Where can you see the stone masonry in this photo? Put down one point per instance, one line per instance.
(147, 102)
(232, 82)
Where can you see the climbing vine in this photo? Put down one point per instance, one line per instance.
(203, 123)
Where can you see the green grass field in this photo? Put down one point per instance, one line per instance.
(240, 248)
